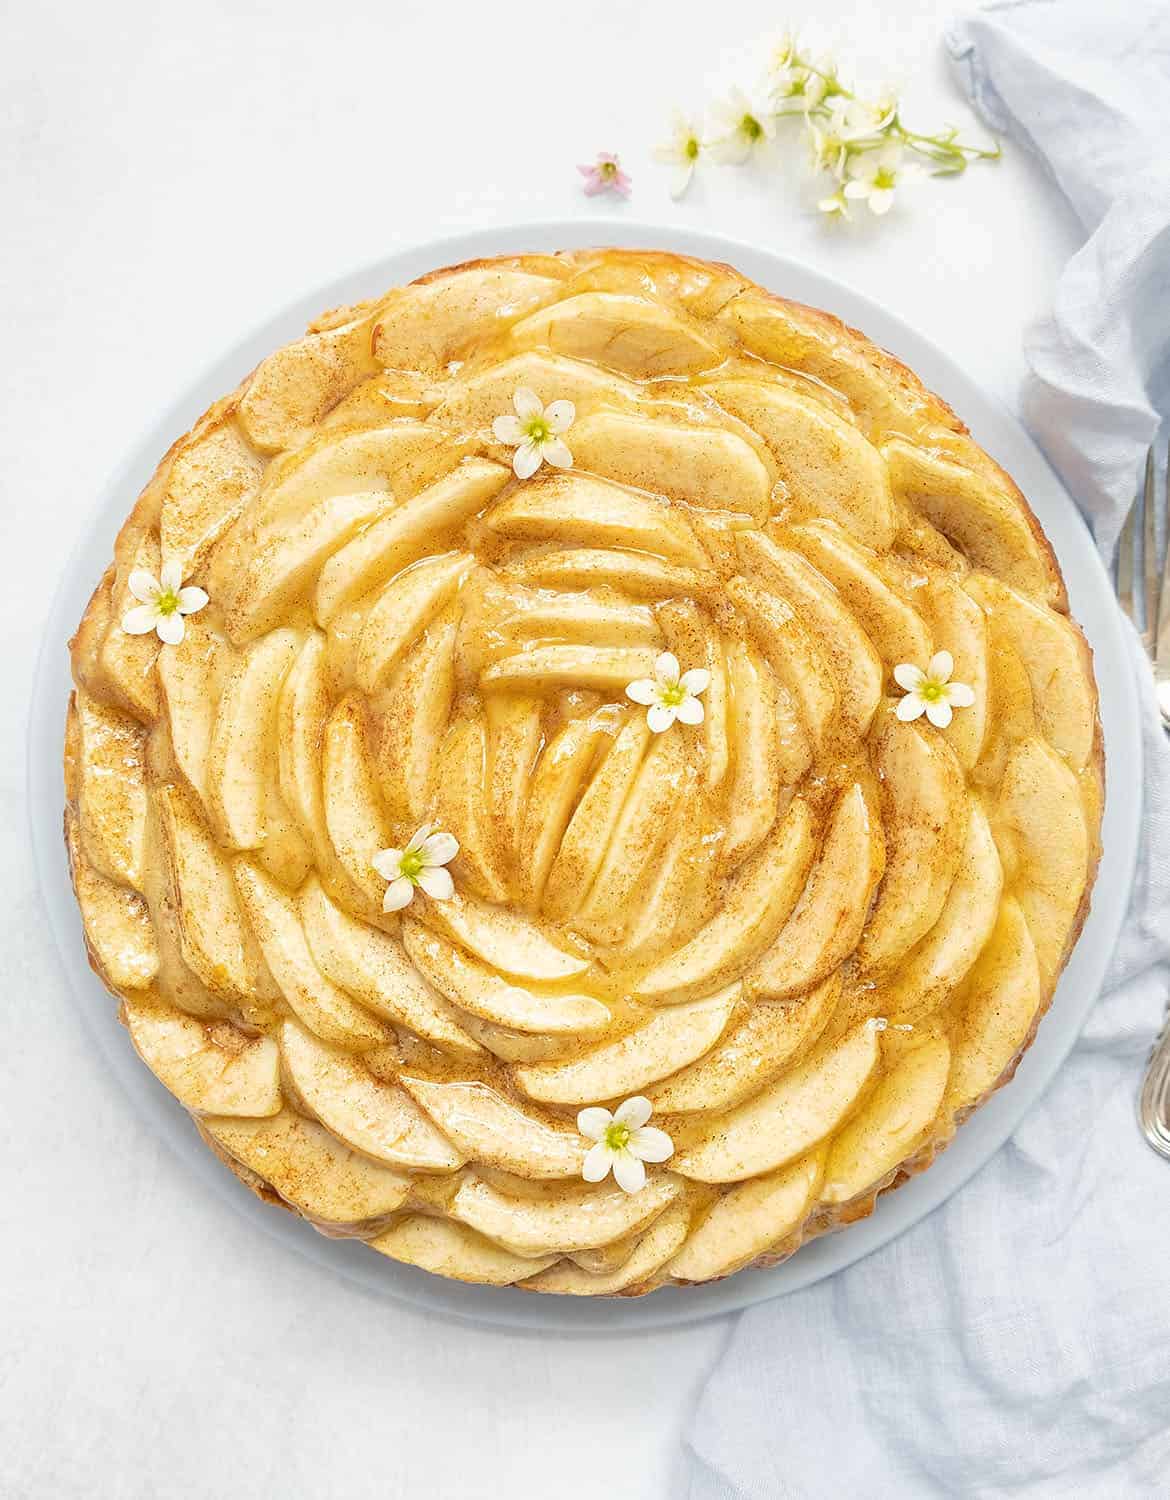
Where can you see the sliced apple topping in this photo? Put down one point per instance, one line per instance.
(462, 806)
(791, 653)
(424, 325)
(826, 464)
(503, 939)
(788, 1118)
(452, 1250)
(652, 1250)
(828, 920)
(693, 639)
(118, 931)
(376, 1118)
(660, 1046)
(477, 401)
(488, 1128)
(758, 901)
(191, 681)
(414, 720)
(606, 668)
(312, 1171)
(890, 1125)
(514, 741)
(641, 577)
(111, 790)
(559, 774)
(402, 612)
(293, 389)
(212, 478)
(958, 624)
(564, 1219)
(633, 334)
(212, 1068)
(748, 1220)
(353, 806)
(579, 619)
(483, 992)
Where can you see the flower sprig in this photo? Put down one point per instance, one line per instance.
(858, 141)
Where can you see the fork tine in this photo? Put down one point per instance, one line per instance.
(1151, 580)
(1162, 633)
(1125, 561)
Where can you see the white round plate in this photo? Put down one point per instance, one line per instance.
(1092, 603)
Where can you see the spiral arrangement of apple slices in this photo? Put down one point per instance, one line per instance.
(813, 935)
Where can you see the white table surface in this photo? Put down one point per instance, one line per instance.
(169, 175)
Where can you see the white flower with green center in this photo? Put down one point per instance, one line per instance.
(931, 692)
(742, 127)
(164, 603)
(669, 696)
(875, 174)
(535, 433)
(681, 150)
(624, 1142)
(419, 865)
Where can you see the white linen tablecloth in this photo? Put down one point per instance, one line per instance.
(1017, 1342)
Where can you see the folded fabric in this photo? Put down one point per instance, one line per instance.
(1017, 1342)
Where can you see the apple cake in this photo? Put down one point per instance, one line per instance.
(581, 774)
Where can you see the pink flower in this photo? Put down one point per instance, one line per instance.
(606, 176)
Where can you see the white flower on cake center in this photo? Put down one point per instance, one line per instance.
(624, 1142)
(669, 696)
(419, 864)
(535, 433)
(164, 603)
(931, 692)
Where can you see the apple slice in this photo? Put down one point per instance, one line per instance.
(694, 640)
(891, 1124)
(487, 1128)
(1040, 827)
(592, 825)
(551, 798)
(474, 403)
(747, 1220)
(830, 915)
(826, 464)
(924, 808)
(791, 653)
(984, 520)
(378, 1119)
(759, 900)
(414, 720)
(677, 895)
(353, 806)
(514, 741)
(788, 1118)
(425, 325)
(516, 1046)
(503, 939)
(929, 973)
(401, 613)
(301, 714)
(959, 626)
(213, 476)
(653, 1250)
(580, 619)
(668, 1041)
(111, 790)
(484, 993)
(564, 1219)
(754, 794)
(242, 755)
(707, 467)
(580, 511)
(636, 335)
(453, 1251)
(775, 1034)
(898, 632)
(118, 931)
(996, 1009)
(211, 1068)
(191, 681)
(856, 666)
(609, 669)
(372, 966)
(416, 529)
(319, 1003)
(291, 390)
(215, 941)
(316, 1174)
(124, 672)
(1057, 661)
(461, 786)
(631, 573)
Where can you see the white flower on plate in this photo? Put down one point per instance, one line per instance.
(741, 127)
(873, 176)
(624, 1142)
(681, 150)
(669, 696)
(535, 432)
(164, 603)
(419, 864)
(931, 692)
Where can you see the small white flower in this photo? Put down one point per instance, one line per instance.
(741, 127)
(668, 696)
(931, 692)
(835, 205)
(419, 864)
(164, 603)
(681, 150)
(624, 1142)
(874, 176)
(535, 432)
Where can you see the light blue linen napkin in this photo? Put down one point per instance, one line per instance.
(1017, 1342)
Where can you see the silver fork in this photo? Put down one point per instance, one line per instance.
(1153, 623)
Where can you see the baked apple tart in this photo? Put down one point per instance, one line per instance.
(581, 774)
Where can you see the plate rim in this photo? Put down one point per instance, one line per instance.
(993, 425)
